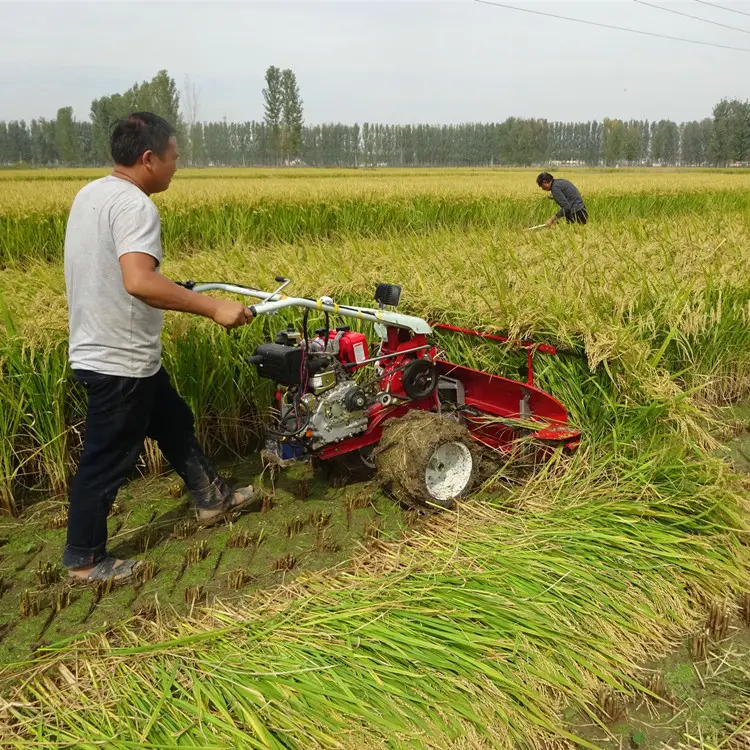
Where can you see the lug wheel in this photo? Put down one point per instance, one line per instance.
(424, 459)
(449, 471)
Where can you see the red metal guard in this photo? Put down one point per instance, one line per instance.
(529, 346)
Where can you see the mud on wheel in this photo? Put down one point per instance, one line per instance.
(424, 459)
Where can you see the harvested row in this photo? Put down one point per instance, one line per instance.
(483, 626)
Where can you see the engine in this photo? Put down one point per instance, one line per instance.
(319, 400)
(338, 414)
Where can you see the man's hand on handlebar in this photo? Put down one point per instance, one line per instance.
(231, 314)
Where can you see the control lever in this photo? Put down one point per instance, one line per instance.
(284, 282)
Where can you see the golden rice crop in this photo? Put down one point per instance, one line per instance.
(266, 207)
(43, 190)
(481, 628)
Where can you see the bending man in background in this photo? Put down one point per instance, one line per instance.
(567, 196)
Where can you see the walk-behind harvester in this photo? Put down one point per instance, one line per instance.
(394, 404)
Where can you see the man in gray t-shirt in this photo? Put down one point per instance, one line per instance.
(567, 196)
(112, 332)
(116, 295)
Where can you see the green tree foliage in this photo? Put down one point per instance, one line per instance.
(613, 141)
(159, 95)
(66, 137)
(273, 97)
(283, 136)
(15, 142)
(695, 140)
(197, 146)
(43, 143)
(105, 112)
(665, 142)
(291, 112)
(731, 133)
(633, 150)
(84, 143)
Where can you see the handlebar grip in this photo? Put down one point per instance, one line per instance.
(281, 279)
(252, 310)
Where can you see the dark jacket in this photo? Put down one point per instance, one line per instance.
(567, 196)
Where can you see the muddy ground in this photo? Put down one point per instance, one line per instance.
(309, 522)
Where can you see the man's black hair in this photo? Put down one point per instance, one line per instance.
(544, 177)
(137, 133)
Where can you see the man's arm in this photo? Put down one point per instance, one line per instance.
(141, 279)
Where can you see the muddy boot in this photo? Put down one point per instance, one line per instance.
(242, 499)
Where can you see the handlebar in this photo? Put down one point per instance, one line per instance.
(273, 301)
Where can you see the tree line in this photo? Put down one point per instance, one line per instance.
(283, 138)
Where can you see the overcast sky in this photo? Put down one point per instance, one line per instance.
(391, 62)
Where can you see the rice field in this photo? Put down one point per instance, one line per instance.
(205, 211)
(489, 627)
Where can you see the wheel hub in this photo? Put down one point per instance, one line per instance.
(448, 471)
